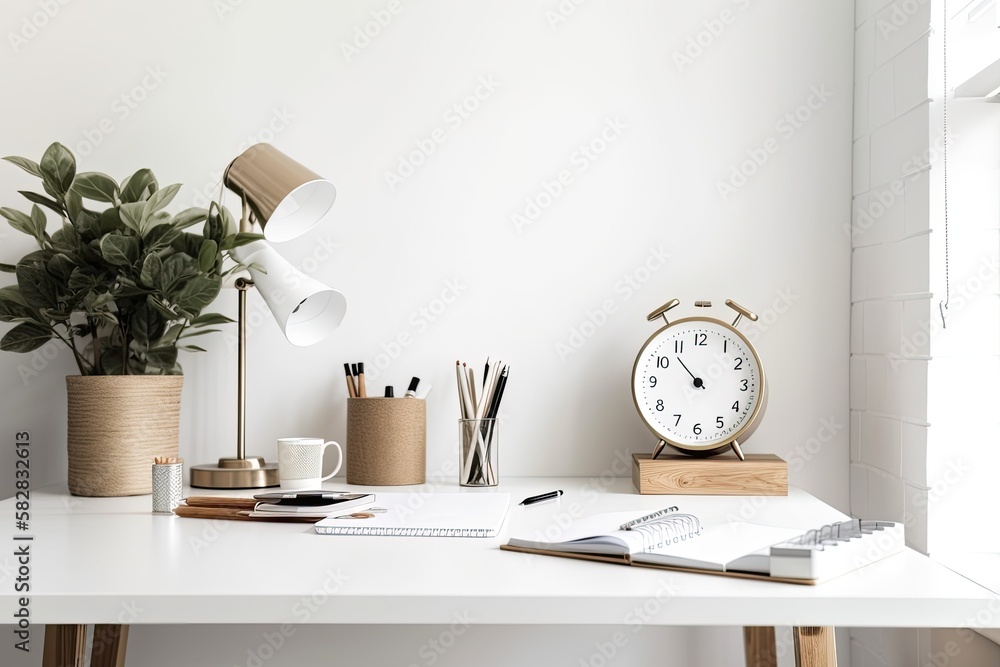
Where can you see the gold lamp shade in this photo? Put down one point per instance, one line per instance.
(286, 198)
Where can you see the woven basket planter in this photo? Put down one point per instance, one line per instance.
(117, 424)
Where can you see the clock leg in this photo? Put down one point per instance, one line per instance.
(736, 450)
(660, 444)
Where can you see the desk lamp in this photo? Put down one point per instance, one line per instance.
(287, 200)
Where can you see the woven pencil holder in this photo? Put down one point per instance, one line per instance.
(386, 441)
(117, 424)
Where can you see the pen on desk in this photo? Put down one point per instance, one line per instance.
(411, 391)
(543, 497)
(389, 391)
(350, 382)
(361, 380)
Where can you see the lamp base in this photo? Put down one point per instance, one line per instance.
(250, 473)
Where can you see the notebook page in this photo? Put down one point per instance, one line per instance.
(718, 545)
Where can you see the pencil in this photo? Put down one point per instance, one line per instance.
(361, 380)
(350, 381)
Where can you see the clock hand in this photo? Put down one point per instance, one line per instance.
(697, 381)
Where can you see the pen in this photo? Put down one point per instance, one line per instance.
(411, 392)
(388, 391)
(350, 381)
(361, 380)
(545, 496)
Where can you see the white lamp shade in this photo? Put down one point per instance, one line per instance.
(306, 310)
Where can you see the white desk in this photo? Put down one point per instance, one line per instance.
(97, 560)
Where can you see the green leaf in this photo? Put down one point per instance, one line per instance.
(161, 308)
(133, 215)
(199, 332)
(7, 268)
(198, 293)
(18, 220)
(158, 219)
(12, 305)
(66, 240)
(162, 357)
(58, 167)
(228, 223)
(97, 302)
(161, 198)
(11, 294)
(152, 269)
(207, 319)
(189, 217)
(61, 267)
(38, 222)
(176, 269)
(74, 205)
(111, 360)
(139, 186)
(26, 337)
(191, 348)
(36, 286)
(147, 324)
(97, 186)
(241, 239)
(29, 166)
(208, 255)
(120, 250)
(159, 237)
(36, 198)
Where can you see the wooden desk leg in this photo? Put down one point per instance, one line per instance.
(815, 647)
(759, 647)
(64, 645)
(109, 646)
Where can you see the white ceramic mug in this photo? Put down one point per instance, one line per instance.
(300, 462)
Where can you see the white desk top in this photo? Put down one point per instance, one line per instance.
(108, 560)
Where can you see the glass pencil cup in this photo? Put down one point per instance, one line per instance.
(478, 452)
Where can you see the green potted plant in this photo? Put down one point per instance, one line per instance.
(124, 289)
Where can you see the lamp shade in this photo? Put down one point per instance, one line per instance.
(286, 198)
(306, 310)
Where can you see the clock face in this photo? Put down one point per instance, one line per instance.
(697, 383)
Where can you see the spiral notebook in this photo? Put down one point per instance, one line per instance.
(424, 515)
(680, 541)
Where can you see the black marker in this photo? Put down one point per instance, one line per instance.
(411, 392)
(389, 393)
(545, 496)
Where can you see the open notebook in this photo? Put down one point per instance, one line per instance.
(739, 548)
(423, 515)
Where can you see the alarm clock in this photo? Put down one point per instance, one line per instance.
(698, 383)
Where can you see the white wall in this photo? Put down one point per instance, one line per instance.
(228, 78)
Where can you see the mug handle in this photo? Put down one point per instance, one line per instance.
(340, 458)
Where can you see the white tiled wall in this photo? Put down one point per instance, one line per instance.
(895, 385)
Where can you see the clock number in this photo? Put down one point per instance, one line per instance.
(659, 405)
(736, 406)
(697, 429)
(701, 339)
(744, 387)
(739, 364)
(678, 420)
(662, 362)
(719, 423)
(652, 381)
(679, 346)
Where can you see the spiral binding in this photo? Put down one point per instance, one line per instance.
(407, 532)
